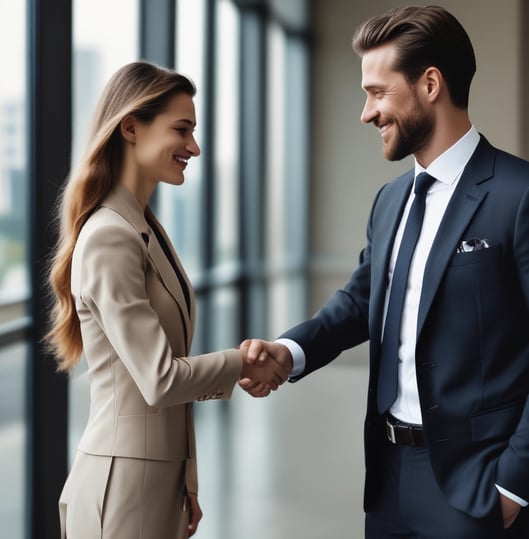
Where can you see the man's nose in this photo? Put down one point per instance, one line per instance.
(369, 112)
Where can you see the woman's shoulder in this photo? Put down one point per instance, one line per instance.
(107, 229)
(108, 246)
(105, 223)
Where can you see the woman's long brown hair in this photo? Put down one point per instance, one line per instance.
(140, 89)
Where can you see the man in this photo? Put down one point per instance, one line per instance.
(447, 312)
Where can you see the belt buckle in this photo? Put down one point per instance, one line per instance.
(390, 432)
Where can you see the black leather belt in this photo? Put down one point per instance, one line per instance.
(399, 432)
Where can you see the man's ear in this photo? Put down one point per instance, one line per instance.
(128, 128)
(433, 81)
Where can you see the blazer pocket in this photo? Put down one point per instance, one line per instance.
(481, 256)
(498, 423)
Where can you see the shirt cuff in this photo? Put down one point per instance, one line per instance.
(513, 497)
(298, 356)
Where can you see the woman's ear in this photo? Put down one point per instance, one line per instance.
(128, 128)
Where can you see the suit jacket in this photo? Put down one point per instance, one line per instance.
(472, 351)
(137, 331)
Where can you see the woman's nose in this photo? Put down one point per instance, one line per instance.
(193, 147)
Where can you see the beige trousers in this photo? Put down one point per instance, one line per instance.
(123, 498)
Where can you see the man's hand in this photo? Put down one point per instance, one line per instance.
(509, 510)
(259, 354)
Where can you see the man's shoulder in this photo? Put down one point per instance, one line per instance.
(511, 173)
(503, 157)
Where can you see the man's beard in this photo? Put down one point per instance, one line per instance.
(413, 132)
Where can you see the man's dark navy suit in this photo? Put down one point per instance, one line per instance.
(472, 354)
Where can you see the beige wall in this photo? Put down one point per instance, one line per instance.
(347, 162)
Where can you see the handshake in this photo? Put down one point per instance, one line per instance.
(266, 365)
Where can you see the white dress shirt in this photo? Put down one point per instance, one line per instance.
(447, 170)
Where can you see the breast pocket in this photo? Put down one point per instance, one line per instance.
(475, 284)
(481, 256)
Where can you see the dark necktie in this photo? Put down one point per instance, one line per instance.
(389, 354)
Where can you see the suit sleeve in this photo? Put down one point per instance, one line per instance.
(513, 464)
(113, 288)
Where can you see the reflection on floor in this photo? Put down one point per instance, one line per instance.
(289, 466)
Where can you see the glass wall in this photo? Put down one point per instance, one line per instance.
(180, 209)
(14, 268)
(13, 438)
(287, 173)
(14, 279)
(105, 36)
(226, 135)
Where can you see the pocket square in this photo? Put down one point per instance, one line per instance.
(475, 244)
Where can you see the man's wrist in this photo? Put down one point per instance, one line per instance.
(511, 496)
(297, 353)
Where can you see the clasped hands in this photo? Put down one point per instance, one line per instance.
(266, 365)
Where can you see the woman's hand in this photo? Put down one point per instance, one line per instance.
(195, 514)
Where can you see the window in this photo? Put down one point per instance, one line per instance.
(13, 436)
(14, 274)
(287, 176)
(14, 279)
(226, 134)
(179, 208)
(98, 51)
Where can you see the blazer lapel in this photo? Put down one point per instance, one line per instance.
(124, 203)
(168, 276)
(169, 279)
(392, 202)
(464, 203)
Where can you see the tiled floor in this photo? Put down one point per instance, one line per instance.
(286, 467)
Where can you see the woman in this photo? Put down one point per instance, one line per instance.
(122, 298)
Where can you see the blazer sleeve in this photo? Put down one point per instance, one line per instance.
(112, 287)
(513, 465)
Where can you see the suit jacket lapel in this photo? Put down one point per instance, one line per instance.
(394, 197)
(124, 203)
(168, 276)
(464, 203)
(169, 279)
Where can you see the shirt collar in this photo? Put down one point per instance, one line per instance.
(447, 168)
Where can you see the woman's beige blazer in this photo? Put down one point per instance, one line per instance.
(137, 333)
